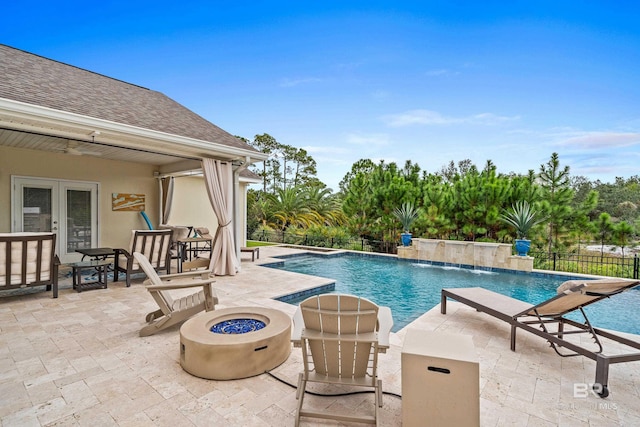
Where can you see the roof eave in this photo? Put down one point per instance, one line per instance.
(29, 117)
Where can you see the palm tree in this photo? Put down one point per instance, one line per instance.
(289, 207)
(325, 205)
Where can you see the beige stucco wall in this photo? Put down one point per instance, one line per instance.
(191, 204)
(242, 214)
(113, 177)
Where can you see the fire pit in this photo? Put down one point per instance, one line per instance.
(237, 326)
(235, 342)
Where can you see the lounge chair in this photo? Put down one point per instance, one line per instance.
(540, 319)
(154, 244)
(340, 336)
(175, 311)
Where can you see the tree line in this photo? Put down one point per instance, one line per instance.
(460, 201)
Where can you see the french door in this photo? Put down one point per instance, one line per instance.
(68, 208)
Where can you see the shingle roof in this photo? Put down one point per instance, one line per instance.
(33, 79)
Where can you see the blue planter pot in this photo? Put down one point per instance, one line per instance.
(406, 239)
(522, 246)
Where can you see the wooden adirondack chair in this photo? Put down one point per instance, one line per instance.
(172, 311)
(340, 345)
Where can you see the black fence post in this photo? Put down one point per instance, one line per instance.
(636, 267)
(554, 260)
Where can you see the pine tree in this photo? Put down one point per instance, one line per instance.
(556, 198)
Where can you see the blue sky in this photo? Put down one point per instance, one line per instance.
(427, 81)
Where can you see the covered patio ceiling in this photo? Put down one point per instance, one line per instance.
(57, 144)
(27, 126)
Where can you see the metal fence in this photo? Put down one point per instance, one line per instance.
(356, 244)
(626, 267)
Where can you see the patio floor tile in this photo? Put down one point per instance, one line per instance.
(78, 361)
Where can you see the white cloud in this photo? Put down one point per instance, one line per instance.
(316, 149)
(380, 94)
(441, 72)
(597, 140)
(300, 81)
(428, 117)
(388, 159)
(489, 119)
(376, 139)
(348, 66)
(416, 117)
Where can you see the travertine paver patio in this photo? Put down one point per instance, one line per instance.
(78, 360)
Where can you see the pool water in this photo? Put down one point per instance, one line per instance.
(411, 289)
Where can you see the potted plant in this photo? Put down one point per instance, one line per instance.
(407, 214)
(522, 217)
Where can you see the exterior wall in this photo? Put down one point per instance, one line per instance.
(243, 214)
(191, 205)
(113, 176)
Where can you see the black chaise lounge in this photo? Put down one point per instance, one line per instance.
(547, 319)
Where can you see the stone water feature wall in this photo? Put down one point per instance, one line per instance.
(466, 254)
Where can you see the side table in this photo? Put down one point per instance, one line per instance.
(254, 250)
(96, 253)
(101, 269)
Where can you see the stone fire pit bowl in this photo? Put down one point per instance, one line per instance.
(232, 352)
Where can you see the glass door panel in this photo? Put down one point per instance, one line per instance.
(68, 208)
(79, 219)
(34, 205)
(36, 209)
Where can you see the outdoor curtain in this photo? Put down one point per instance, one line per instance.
(167, 197)
(218, 177)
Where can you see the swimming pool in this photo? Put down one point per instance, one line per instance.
(411, 289)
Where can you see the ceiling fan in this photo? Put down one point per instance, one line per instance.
(73, 149)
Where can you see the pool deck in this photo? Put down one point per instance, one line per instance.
(78, 361)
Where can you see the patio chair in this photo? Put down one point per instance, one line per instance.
(173, 311)
(340, 336)
(28, 259)
(540, 319)
(179, 232)
(153, 244)
(204, 233)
